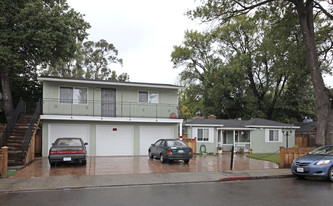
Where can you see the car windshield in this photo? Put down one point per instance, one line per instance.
(324, 150)
(68, 142)
(176, 143)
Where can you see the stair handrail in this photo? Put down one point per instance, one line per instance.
(20, 108)
(28, 134)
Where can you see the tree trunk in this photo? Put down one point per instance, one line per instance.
(7, 101)
(324, 112)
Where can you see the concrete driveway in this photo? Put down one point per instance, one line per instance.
(141, 164)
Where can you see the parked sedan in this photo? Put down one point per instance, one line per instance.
(170, 149)
(317, 163)
(68, 150)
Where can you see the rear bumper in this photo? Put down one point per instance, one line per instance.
(65, 158)
(179, 157)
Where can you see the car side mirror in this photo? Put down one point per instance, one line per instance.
(52, 144)
(152, 144)
(86, 143)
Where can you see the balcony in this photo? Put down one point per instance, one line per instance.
(106, 109)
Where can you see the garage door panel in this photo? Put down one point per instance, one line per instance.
(112, 140)
(68, 130)
(150, 134)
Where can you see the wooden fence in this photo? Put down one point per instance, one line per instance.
(287, 155)
(190, 143)
(3, 162)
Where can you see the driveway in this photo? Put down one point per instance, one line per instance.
(141, 164)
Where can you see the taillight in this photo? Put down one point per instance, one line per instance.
(67, 152)
(169, 152)
(191, 152)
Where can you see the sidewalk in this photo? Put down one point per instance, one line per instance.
(91, 181)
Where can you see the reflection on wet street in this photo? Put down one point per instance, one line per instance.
(142, 164)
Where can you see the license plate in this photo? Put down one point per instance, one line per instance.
(66, 159)
(300, 169)
(180, 151)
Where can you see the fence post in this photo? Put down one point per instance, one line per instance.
(4, 162)
(282, 157)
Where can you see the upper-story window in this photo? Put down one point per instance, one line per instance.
(73, 95)
(148, 97)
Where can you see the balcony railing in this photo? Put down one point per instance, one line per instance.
(107, 109)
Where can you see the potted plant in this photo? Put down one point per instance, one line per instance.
(219, 149)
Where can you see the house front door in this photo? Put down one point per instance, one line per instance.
(108, 102)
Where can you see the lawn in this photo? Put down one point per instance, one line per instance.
(268, 157)
(10, 173)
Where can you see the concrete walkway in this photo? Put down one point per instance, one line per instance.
(92, 181)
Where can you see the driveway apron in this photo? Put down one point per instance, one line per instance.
(141, 164)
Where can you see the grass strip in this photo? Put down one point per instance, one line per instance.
(267, 157)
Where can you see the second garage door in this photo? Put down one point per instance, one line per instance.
(150, 134)
(114, 140)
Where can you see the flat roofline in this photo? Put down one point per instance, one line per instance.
(113, 83)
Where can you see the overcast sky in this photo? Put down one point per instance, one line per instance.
(144, 32)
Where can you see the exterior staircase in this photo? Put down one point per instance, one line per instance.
(15, 139)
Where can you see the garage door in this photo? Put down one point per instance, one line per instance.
(114, 140)
(150, 134)
(68, 130)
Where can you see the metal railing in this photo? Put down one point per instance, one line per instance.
(107, 109)
(30, 130)
(20, 108)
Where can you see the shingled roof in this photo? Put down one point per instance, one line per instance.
(256, 122)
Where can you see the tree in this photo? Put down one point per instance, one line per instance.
(259, 60)
(35, 32)
(225, 10)
(97, 58)
(91, 60)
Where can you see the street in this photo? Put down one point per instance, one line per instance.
(284, 191)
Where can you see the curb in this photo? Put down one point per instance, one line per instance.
(226, 179)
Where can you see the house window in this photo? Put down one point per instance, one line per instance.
(273, 136)
(73, 95)
(203, 135)
(148, 97)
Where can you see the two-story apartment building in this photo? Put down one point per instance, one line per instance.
(115, 118)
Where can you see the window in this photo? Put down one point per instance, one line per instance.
(203, 135)
(72, 95)
(273, 135)
(148, 97)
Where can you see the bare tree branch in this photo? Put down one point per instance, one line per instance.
(317, 5)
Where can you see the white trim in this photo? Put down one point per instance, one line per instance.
(109, 119)
(280, 136)
(277, 127)
(204, 125)
(81, 81)
(240, 128)
(210, 134)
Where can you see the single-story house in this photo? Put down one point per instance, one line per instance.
(114, 118)
(259, 135)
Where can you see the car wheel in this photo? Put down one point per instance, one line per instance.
(151, 156)
(330, 174)
(162, 158)
(52, 164)
(186, 161)
(84, 162)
